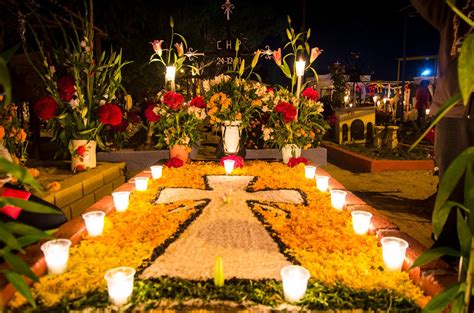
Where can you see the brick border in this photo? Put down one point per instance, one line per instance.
(433, 278)
(362, 164)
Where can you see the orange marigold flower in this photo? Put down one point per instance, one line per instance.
(2, 132)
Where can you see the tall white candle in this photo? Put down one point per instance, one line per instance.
(361, 222)
(120, 284)
(121, 199)
(170, 76)
(322, 182)
(338, 199)
(94, 222)
(393, 251)
(156, 171)
(141, 183)
(309, 171)
(295, 281)
(229, 166)
(300, 67)
(56, 254)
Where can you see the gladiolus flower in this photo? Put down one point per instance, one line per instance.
(150, 115)
(46, 108)
(179, 48)
(198, 102)
(156, 44)
(66, 88)
(315, 52)
(110, 114)
(277, 56)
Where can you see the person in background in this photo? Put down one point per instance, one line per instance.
(423, 100)
(455, 131)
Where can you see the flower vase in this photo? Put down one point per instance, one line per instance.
(231, 134)
(290, 151)
(181, 152)
(83, 154)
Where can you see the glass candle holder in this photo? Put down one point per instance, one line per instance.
(295, 280)
(361, 222)
(300, 67)
(56, 254)
(121, 199)
(310, 171)
(393, 251)
(120, 284)
(94, 222)
(338, 199)
(229, 166)
(156, 171)
(322, 183)
(141, 183)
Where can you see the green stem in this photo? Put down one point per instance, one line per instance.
(149, 134)
(460, 13)
(469, 278)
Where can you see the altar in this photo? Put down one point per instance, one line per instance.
(256, 220)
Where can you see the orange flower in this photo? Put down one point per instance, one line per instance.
(277, 56)
(2, 132)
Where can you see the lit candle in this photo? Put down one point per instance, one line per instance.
(120, 284)
(295, 280)
(346, 98)
(170, 75)
(375, 99)
(156, 171)
(322, 183)
(121, 199)
(56, 254)
(338, 199)
(361, 222)
(94, 222)
(229, 166)
(310, 171)
(393, 251)
(350, 105)
(427, 111)
(300, 67)
(141, 183)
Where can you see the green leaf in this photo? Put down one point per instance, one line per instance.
(440, 301)
(464, 235)
(20, 173)
(21, 286)
(308, 33)
(440, 215)
(434, 254)
(465, 68)
(18, 265)
(29, 205)
(7, 54)
(288, 34)
(469, 188)
(7, 237)
(451, 102)
(23, 229)
(286, 69)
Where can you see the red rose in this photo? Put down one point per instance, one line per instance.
(174, 162)
(287, 110)
(173, 100)
(150, 114)
(310, 93)
(81, 150)
(120, 127)
(110, 114)
(238, 160)
(270, 90)
(46, 108)
(198, 102)
(66, 88)
(292, 162)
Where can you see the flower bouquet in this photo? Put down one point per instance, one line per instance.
(176, 122)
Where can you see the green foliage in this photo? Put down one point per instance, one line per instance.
(16, 236)
(465, 66)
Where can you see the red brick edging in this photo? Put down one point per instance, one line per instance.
(433, 278)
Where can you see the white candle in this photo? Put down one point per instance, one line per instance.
(120, 284)
(121, 199)
(229, 166)
(170, 73)
(156, 171)
(300, 66)
(94, 222)
(361, 222)
(310, 171)
(322, 183)
(338, 199)
(346, 98)
(295, 281)
(375, 99)
(141, 183)
(56, 254)
(427, 111)
(393, 251)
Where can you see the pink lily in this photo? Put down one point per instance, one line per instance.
(156, 44)
(179, 48)
(277, 56)
(315, 52)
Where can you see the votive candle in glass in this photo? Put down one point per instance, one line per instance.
(156, 171)
(361, 222)
(310, 171)
(141, 183)
(295, 280)
(322, 183)
(338, 199)
(120, 284)
(229, 166)
(121, 199)
(56, 254)
(94, 222)
(300, 67)
(393, 251)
